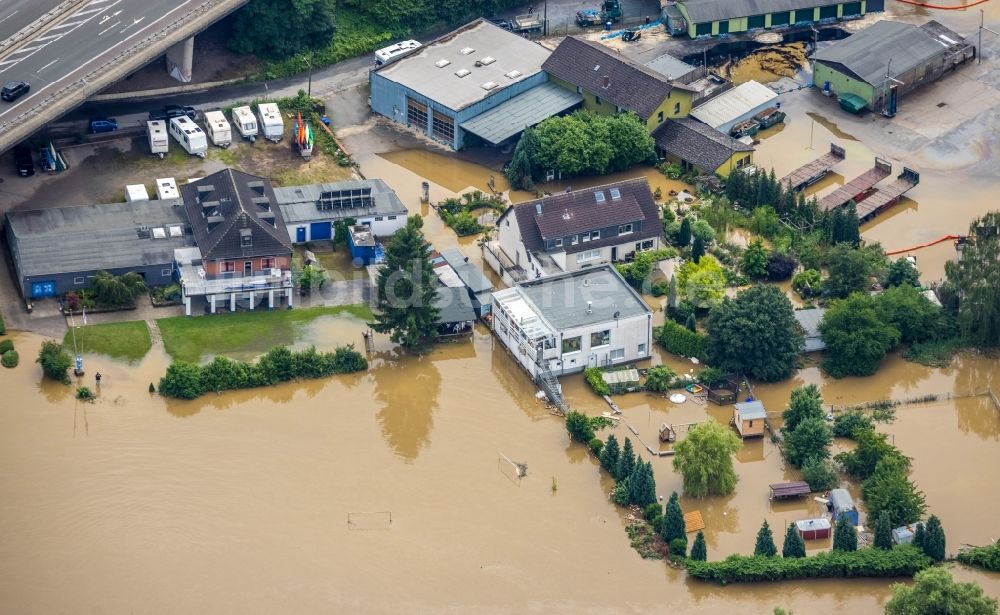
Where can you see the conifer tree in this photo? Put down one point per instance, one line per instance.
(934, 541)
(794, 545)
(697, 249)
(845, 536)
(673, 521)
(684, 233)
(699, 551)
(672, 293)
(642, 485)
(919, 536)
(691, 323)
(765, 542)
(852, 226)
(610, 454)
(883, 532)
(626, 461)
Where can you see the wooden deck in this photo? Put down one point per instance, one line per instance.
(858, 188)
(884, 197)
(815, 170)
(693, 521)
(789, 490)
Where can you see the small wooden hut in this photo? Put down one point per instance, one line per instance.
(748, 417)
(813, 529)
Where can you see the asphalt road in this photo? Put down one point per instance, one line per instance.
(16, 14)
(79, 43)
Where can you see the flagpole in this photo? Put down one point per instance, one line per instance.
(78, 368)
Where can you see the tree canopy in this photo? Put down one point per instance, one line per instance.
(889, 491)
(849, 272)
(753, 263)
(765, 542)
(856, 338)
(901, 273)
(407, 289)
(975, 279)
(934, 591)
(755, 334)
(805, 402)
(277, 29)
(702, 283)
(845, 536)
(705, 460)
(809, 440)
(794, 546)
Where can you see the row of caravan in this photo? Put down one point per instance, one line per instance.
(194, 140)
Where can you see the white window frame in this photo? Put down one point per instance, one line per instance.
(618, 354)
(557, 243)
(622, 231)
(641, 349)
(166, 272)
(79, 280)
(588, 255)
(392, 217)
(605, 334)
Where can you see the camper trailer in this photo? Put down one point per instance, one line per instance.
(159, 143)
(187, 133)
(394, 52)
(245, 122)
(218, 128)
(271, 124)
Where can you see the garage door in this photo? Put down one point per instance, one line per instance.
(319, 230)
(43, 289)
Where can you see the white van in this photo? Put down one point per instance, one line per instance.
(187, 133)
(392, 52)
(245, 122)
(271, 124)
(159, 143)
(218, 128)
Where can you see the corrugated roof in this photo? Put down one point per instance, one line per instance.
(866, 54)
(419, 71)
(751, 410)
(562, 299)
(470, 275)
(298, 203)
(523, 111)
(841, 500)
(94, 237)
(702, 11)
(697, 143)
(628, 85)
(586, 214)
(670, 67)
(734, 103)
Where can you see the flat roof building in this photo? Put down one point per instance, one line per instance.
(445, 88)
(734, 106)
(310, 211)
(722, 17)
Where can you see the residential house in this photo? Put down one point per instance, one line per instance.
(574, 230)
(456, 315)
(477, 80)
(310, 212)
(478, 285)
(700, 148)
(242, 250)
(722, 17)
(565, 323)
(910, 55)
(610, 82)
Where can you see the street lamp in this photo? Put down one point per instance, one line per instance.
(308, 60)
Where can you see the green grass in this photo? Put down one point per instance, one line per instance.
(120, 340)
(933, 354)
(190, 339)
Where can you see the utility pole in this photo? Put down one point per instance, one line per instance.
(545, 17)
(309, 64)
(885, 89)
(982, 26)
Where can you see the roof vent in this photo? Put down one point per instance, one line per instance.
(159, 232)
(205, 188)
(616, 194)
(590, 307)
(514, 74)
(466, 51)
(442, 63)
(462, 72)
(586, 281)
(489, 85)
(599, 197)
(597, 67)
(485, 61)
(566, 215)
(538, 208)
(606, 81)
(175, 231)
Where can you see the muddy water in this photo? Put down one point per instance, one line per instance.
(767, 64)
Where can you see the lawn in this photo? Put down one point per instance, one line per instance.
(120, 340)
(190, 339)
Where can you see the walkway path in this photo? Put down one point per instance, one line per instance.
(154, 332)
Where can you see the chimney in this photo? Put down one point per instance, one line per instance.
(607, 81)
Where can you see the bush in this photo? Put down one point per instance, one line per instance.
(711, 376)
(578, 426)
(55, 361)
(10, 358)
(672, 170)
(846, 424)
(658, 378)
(3, 326)
(182, 380)
(596, 444)
(596, 381)
(780, 266)
(6, 345)
(85, 394)
(678, 547)
(652, 511)
(820, 474)
(987, 558)
(659, 289)
(678, 339)
(901, 561)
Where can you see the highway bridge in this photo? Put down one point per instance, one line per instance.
(71, 49)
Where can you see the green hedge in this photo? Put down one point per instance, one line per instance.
(3, 325)
(901, 561)
(680, 340)
(10, 358)
(987, 558)
(6, 345)
(596, 381)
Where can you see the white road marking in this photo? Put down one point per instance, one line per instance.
(67, 25)
(26, 52)
(8, 17)
(96, 2)
(47, 65)
(96, 9)
(49, 37)
(111, 27)
(26, 49)
(134, 22)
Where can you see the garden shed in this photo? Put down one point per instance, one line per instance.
(813, 529)
(621, 380)
(841, 503)
(748, 417)
(904, 535)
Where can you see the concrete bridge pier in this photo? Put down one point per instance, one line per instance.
(180, 60)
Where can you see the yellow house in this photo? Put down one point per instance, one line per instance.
(700, 148)
(612, 83)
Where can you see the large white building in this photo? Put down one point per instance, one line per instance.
(309, 212)
(561, 324)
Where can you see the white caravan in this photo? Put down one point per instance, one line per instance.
(159, 143)
(218, 128)
(271, 124)
(187, 133)
(246, 122)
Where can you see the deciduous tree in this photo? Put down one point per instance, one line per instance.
(856, 338)
(976, 281)
(805, 402)
(753, 263)
(889, 490)
(705, 460)
(901, 273)
(849, 272)
(809, 440)
(934, 591)
(277, 29)
(55, 361)
(702, 283)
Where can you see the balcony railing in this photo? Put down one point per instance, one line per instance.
(195, 282)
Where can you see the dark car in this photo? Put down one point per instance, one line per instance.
(24, 161)
(103, 124)
(173, 111)
(14, 90)
(501, 23)
(588, 17)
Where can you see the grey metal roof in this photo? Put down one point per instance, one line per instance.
(841, 500)
(298, 204)
(697, 143)
(470, 275)
(419, 71)
(751, 410)
(809, 321)
(743, 100)
(670, 67)
(454, 305)
(866, 54)
(562, 299)
(94, 237)
(523, 111)
(702, 11)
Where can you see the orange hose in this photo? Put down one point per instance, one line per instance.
(923, 245)
(942, 8)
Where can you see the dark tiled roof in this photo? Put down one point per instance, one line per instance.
(223, 204)
(586, 214)
(631, 86)
(697, 143)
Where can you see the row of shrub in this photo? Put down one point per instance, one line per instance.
(987, 558)
(187, 381)
(8, 356)
(596, 380)
(680, 340)
(900, 561)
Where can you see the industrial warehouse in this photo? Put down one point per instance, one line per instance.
(722, 17)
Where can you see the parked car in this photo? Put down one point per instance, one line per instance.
(588, 17)
(14, 90)
(158, 116)
(173, 111)
(103, 124)
(500, 23)
(24, 161)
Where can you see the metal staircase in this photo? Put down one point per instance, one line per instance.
(550, 385)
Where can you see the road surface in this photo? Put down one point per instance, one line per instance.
(18, 14)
